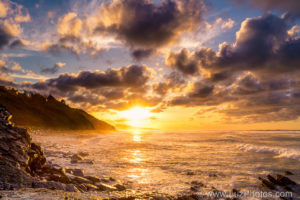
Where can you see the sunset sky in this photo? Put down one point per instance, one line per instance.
(161, 64)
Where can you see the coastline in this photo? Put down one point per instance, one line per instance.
(29, 174)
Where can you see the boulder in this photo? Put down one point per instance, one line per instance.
(49, 185)
(94, 179)
(272, 179)
(91, 187)
(266, 184)
(105, 187)
(75, 158)
(284, 181)
(78, 172)
(120, 187)
(288, 173)
(80, 180)
(83, 154)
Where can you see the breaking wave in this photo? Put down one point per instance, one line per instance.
(280, 152)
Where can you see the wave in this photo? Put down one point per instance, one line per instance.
(280, 152)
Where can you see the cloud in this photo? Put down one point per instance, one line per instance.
(54, 69)
(291, 6)
(144, 24)
(13, 14)
(69, 25)
(130, 76)
(172, 82)
(262, 45)
(139, 54)
(183, 61)
(5, 36)
(3, 10)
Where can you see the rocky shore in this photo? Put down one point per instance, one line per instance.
(27, 174)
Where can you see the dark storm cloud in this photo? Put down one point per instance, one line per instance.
(54, 69)
(143, 23)
(5, 36)
(201, 90)
(262, 45)
(183, 61)
(131, 76)
(291, 6)
(139, 54)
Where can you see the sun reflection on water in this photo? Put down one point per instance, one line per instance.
(136, 136)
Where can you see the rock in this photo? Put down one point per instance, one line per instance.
(112, 179)
(81, 187)
(83, 154)
(75, 158)
(94, 179)
(198, 183)
(120, 187)
(80, 180)
(288, 173)
(70, 171)
(190, 173)
(284, 181)
(266, 184)
(71, 188)
(105, 187)
(78, 172)
(272, 179)
(49, 185)
(91, 187)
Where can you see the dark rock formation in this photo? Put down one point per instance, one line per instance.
(25, 164)
(280, 183)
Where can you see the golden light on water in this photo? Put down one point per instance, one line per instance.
(136, 116)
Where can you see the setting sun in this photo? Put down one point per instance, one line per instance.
(136, 116)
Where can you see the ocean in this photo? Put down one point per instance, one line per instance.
(167, 161)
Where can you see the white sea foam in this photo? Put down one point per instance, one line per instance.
(279, 151)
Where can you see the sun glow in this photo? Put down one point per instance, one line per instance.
(136, 116)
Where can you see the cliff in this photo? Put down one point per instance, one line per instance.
(32, 110)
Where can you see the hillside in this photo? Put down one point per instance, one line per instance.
(37, 111)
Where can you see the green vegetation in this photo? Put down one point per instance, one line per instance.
(37, 111)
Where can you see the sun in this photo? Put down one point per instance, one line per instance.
(136, 116)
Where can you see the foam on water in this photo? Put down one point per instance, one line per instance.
(169, 161)
(280, 152)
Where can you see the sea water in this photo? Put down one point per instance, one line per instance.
(168, 161)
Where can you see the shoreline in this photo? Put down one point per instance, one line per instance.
(28, 174)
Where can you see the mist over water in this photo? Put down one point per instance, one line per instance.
(168, 162)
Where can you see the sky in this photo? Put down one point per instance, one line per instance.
(159, 64)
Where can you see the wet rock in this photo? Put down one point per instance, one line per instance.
(78, 172)
(272, 179)
(105, 187)
(112, 179)
(91, 187)
(49, 185)
(120, 187)
(79, 180)
(71, 188)
(75, 158)
(288, 173)
(94, 179)
(81, 187)
(190, 173)
(86, 161)
(284, 181)
(83, 154)
(198, 183)
(266, 184)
